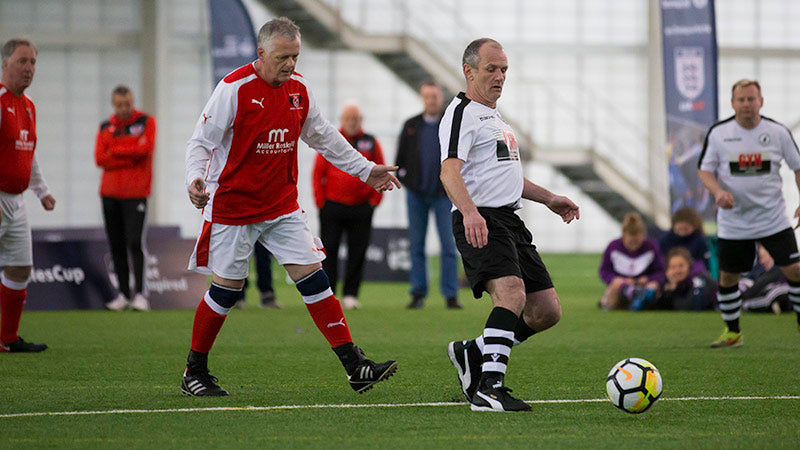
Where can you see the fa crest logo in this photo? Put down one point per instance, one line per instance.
(689, 71)
(295, 100)
(23, 135)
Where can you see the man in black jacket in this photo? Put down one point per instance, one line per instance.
(418, 159)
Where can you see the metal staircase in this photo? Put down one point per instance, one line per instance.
(414, 61)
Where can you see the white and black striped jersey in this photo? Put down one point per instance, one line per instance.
(747, 164)
(478, 135)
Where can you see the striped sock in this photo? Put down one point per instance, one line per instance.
(794, 297)
(498, 338)
(730, 303)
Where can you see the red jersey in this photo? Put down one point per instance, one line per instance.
(245, 146)
(17, 141)
(124, 149)
(332, 184)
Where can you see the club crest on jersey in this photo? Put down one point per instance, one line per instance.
(507, 148)
(136, 129)
(296, 100)
(364, 145)
(764, 139)
(750, 164)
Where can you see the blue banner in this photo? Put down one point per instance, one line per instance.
(233, 41)
(690, 90)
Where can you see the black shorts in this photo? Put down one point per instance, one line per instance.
(737, 256)
(509, 252)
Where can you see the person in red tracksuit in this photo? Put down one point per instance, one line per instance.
(345, 207)
(124, 150)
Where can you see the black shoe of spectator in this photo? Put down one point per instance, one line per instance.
(453, 303)
(417, 302)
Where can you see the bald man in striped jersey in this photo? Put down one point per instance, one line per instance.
(241, 169)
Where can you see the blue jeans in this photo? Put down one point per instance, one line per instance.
(418, 212)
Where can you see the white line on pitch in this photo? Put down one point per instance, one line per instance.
(345, 406)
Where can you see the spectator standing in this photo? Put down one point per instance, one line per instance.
(124, 150)
(419, 162)
(740, 165)
(18, 171)
(345, 207)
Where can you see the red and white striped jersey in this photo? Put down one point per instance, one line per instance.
(245, 146)
(18, 168)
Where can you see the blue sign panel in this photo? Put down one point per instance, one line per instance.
(233, 42)
(690, 90)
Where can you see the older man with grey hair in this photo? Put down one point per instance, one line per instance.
(241, 170)
(482, 174)
(18, 172)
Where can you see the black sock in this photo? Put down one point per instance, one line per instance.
(196, 360)
(349, 356)
(522, 330)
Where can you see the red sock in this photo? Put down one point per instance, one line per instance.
(329, 318)
(12, 301)
(207, 324)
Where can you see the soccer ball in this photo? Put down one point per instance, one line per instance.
(633, 385)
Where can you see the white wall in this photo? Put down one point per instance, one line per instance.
(87, 47)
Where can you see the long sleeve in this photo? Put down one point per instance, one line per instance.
(606, 271)
(137, 147)
(105, 160)
(655, 272)
(401, 160)
(375, 197)
(212, 131)
(319, 178)
(37, 183)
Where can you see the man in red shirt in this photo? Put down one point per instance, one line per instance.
(345, 207)
(241, 169)
(18, 172)
(124, 150)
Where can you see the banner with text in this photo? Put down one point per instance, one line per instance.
(76, 272)
(690, 90)
(233, 41)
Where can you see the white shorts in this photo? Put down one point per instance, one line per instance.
(15, 234)
(225, 250)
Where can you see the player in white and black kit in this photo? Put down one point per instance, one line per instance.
(482, 174)
(740, 166)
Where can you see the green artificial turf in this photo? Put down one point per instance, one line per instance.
(104, 361)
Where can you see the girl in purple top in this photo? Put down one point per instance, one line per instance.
(632, 267)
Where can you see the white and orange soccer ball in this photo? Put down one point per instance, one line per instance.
(633, 385)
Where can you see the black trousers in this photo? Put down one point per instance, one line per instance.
(337, 219)
(124, 220)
